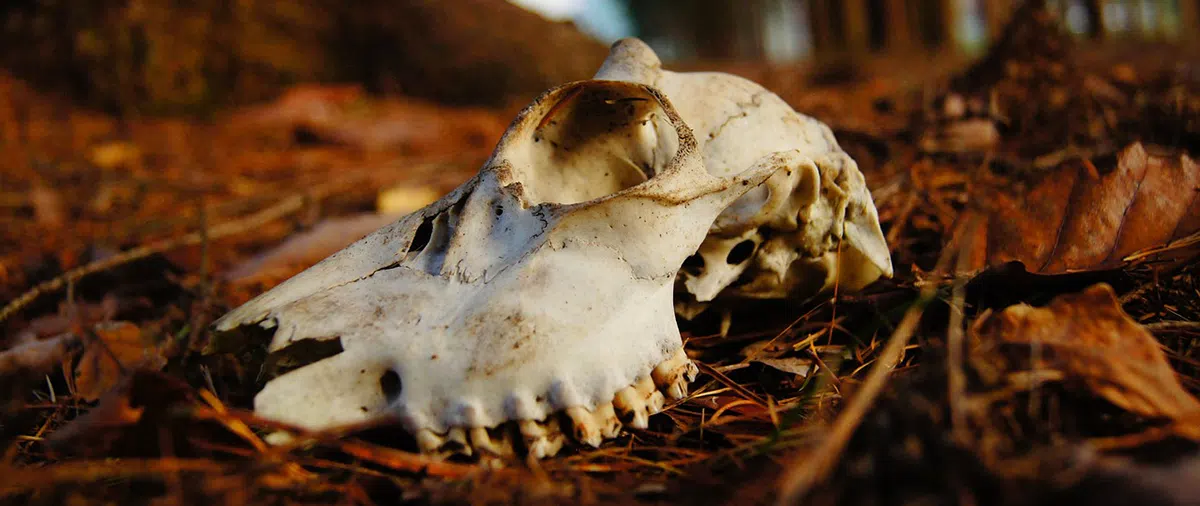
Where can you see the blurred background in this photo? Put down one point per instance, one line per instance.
(127, 121)
(191, 56)
(791, 30)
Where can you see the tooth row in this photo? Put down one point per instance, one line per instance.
(543, 438)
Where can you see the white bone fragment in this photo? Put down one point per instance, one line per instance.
(808, 227)
(543, 284)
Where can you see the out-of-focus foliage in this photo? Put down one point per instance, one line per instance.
(170, 56)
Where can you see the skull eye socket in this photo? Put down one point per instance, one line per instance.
(592, 140)
(741, 252)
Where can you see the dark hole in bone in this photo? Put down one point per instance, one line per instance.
(421, 237)
(390, 384)
(300, 354)
(693, 265)
(741, 252)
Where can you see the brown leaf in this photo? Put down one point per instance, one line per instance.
(114, 155)
(145, 415)
(118, 347)
(1080, 217)
(791, 365)
(111, 415)
(48, 208)
(36, 356)
(1089, 338)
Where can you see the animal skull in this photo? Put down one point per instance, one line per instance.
(538, 291)
(810, 226)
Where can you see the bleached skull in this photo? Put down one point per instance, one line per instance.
(538, 291)
(810, 226)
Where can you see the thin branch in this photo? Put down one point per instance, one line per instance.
(286, 206)
(799, 478)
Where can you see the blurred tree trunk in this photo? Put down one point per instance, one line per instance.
(825, 21)
(1095, 18)
(714, 27)
(1189, 19)
(704, 29)
(947, 34)
(856, 27)
(997, 15)
(899, 25)
(193, 55)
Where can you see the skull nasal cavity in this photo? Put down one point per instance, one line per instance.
(421, 236)
(593, 140)
(740, 253)
(390, 384)
(693, 265)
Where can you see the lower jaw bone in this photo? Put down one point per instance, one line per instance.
(631, 406)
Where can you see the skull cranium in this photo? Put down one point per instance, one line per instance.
(540, 290)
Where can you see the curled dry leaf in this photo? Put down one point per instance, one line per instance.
(145, 414)
(1091, 340)
(792, 365)
(35, 355)
(1082, 216)
(118, 347)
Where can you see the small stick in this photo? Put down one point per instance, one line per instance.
(801, 476)
(286, 206)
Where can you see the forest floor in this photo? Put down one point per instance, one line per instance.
(1037, 344)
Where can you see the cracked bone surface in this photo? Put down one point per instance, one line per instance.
(530, 306)
(808, 227)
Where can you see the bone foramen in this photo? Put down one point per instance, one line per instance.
(532, 305)
(810, 226)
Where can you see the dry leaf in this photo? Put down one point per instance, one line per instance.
(37, 356)
(143, 416)
(118, 348)
(1090, 339)
(1079, 217)
(49, 211)
(791, 365)
(114, 155)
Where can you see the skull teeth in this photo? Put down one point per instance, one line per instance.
(673, 375)
(632, 408)
(542, 439)
(494, 443)
(591, 427)
(634, 404)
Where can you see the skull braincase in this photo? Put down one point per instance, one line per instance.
(544, 283)
(809, 226)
